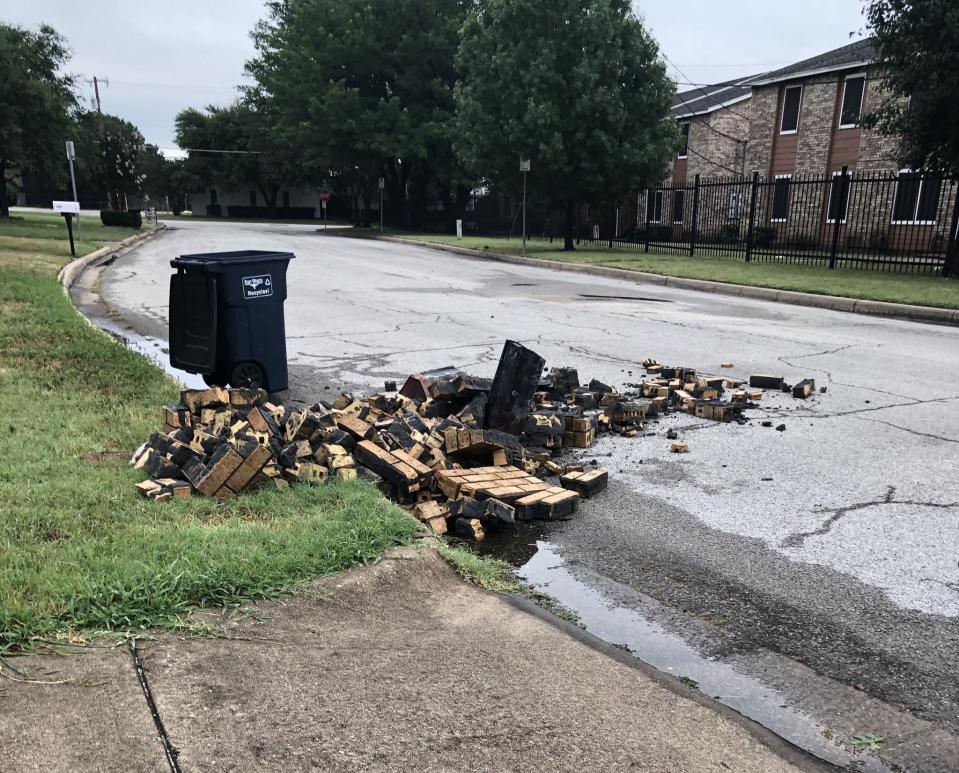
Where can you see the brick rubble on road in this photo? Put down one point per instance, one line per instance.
(464, 454)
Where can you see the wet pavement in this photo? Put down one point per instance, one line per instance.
(827, 549)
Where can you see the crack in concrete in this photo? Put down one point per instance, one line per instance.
(799, 538)
(911, 431)
(953, 586)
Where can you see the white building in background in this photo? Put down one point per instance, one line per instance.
(291, 202)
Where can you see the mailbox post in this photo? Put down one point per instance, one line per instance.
(68, 209)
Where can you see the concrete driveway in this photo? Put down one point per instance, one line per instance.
(832, 543)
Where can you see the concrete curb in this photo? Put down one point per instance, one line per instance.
(789, 751)
(832, 302)
(71, 272)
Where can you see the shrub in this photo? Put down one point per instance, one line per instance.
(729, 233)
(128, 219)
(764, 235)
(214, 210)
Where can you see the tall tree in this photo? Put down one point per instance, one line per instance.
(237, 146)
(36, 101)
(918, 45)
(576, 86)
(111, 154)
(364, 88)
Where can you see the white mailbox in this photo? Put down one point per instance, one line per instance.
(63, 207)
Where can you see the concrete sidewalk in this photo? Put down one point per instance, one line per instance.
(398, 666)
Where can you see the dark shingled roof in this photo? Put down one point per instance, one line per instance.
(848, 56)
(704, 99)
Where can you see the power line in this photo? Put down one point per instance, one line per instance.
(714, 163)
(703, 92)
(747, 83)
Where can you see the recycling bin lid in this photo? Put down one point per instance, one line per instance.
(238, 257)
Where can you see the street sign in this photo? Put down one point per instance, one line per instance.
(71, 151)
(63, 207)
(382, 183)
(325, 196)
(524, 165)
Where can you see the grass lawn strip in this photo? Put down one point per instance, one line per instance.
(79, 550)
(892, 287)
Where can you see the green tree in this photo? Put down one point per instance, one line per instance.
(36, 102)
(166, 181)
(364, 89)
(237, 146)
(576, 86)
(111, 154)
(918, 42)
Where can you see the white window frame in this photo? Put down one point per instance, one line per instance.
(845, 214)
(782, 115)
(684, 153)
(842, 103)
(915, 210)
(781, 219)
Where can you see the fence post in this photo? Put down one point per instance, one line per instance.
(646, 230)
(692, 236)
(949, 268)
(835, 230)
(752, 217)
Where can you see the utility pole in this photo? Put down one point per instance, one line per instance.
(71, 157)
(524, 168)
(95, 82)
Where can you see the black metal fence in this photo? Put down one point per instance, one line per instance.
(884, 221)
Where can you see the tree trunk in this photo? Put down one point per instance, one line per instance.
(4, 204)
(569, 207)
(355, 209)
(269, 198)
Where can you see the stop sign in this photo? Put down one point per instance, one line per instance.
(325, 195)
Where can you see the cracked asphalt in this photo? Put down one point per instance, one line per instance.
(833, 542)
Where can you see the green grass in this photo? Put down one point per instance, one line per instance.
(851, 283)
(37, 225)
(79, 550)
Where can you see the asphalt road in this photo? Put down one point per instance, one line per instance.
(833, 542)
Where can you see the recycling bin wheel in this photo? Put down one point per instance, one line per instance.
(217, 378)
(247, 375)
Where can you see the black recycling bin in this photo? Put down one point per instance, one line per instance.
(226, 317)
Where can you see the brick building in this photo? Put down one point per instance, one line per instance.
(797, 127)
(715, 125)
(805, 125)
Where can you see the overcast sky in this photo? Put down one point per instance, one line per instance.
(162, 58)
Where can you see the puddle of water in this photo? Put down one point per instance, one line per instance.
(155, 349)
(668, 652)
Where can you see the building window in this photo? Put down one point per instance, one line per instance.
(852, 92)
(654, 206)
(917, 199)
(679, 204)
(838, 198)
(792, 98)
(286, 199)
(780, 211)
(733, 212)
(684, 129)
